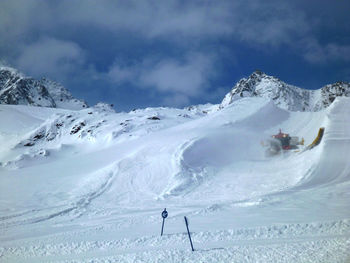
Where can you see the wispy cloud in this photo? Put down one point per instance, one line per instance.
(49, 56)
(316, 53)
(164, 45)
(183, 78)
(257, 23)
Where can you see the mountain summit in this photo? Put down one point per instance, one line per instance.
(284, 95)
(16, 88)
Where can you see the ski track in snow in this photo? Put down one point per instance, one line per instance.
(76, 208)
(282, 242)
(244, 207)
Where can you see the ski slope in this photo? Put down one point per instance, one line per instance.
(93, 183)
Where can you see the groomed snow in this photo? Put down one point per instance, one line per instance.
(92, 185)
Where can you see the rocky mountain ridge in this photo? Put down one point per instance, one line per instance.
(327, 94)
(16, 88)
(286, 96)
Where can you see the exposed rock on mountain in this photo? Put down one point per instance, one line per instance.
(284, 95)
(327, 94)
(15, 88)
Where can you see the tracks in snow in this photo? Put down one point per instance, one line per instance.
(75, 209)
(288, 242)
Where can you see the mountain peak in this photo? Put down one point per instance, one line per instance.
(258, 72)
(284, 95)
(16, 88)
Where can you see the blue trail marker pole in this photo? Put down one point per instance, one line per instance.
(188, 232)
(164, 215)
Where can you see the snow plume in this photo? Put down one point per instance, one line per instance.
(203, 160)
(224, 147)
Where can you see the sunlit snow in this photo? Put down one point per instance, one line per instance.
(90, 185)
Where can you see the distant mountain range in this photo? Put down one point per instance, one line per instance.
(284, 95)
(16, 88)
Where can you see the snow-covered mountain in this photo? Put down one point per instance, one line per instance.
(286, 96)
(90, 185)
(16, 88)
(327, 94)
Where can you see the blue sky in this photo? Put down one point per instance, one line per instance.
(136, 53)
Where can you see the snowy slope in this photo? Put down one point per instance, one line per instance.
(93, 192)
(16, 88)
(286, 96)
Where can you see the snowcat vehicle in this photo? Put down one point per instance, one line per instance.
(282, 141)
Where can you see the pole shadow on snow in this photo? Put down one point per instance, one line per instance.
(209, 249)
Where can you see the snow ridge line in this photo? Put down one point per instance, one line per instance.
(332, 167)
(186, 178)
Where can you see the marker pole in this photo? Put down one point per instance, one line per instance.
(164, 215)
(161, 233)
(188, 232)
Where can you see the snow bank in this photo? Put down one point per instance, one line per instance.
(100, 199)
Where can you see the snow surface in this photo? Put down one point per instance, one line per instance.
(90, 185)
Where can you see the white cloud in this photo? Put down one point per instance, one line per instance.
(158, 27)
(19, 19)
(253, 22)
(187, 77)
(260, 24)
(178, 80)
(51, 57)
(184, 78)
(120, 75)
(270, 23)
(151, 18)
(176, 100)
(315, 53)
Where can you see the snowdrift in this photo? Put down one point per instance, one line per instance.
(110, 183)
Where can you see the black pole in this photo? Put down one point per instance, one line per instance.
(188, 232)
(164, 215)
(161, 233)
